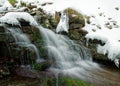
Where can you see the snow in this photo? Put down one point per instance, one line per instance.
(104, 18)
(14, 18)
(63, 24)
(111, 38)
(5, 5)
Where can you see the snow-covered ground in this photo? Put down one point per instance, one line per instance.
(5, 5)
(104, 18)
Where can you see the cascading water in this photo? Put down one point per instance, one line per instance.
(67, 56)
(65, 52)
(23, 41)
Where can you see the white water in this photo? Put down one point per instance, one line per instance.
(63, 51)
(68, 57)
(23, 41)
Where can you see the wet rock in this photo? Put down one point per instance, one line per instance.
(42, 66)
(74, 34)
(24, 72)
(4, 71)
(92, 44)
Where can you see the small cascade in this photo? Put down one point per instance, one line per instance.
(65, 52)
(67, 56)
(26, 46)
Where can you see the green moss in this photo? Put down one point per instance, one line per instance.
(79, 18)
(74, 34)
(12, 2)
(67, 81)
(23, 4)
(72, 11)
(43, 81)
(87, 19)
(41, 66)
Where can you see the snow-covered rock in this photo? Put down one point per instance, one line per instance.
(15, 17)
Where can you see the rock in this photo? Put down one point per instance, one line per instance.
(30, 6)
(4, 71)
(117, 8)
(24, 72)
(57, 16)
(83, 32)
(74, 34)
(92, 46)
(33, 13)
(46, 3)
(2, 33)
(75, 26)
(75, 17)
(42, 66)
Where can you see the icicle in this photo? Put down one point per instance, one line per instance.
(117, 62)
(63, 24)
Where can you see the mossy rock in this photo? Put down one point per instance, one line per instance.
(74, 34)
(13, 2)
(75, 17)
(42, 66)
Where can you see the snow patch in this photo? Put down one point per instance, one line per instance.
(5, 6)
(15, 17)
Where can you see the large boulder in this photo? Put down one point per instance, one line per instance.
(76, 19)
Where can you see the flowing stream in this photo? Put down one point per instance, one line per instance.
(67, 56)
(72, 59)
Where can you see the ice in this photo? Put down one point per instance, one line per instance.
(63, 24)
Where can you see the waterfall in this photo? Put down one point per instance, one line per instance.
(67, 56)
(65, 52)
(23, 41)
